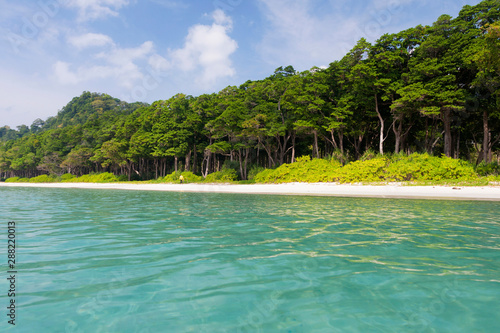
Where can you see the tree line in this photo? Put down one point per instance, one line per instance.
(431, 89)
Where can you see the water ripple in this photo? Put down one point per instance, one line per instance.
(118, 261)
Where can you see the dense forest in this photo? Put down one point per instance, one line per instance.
(433, 89)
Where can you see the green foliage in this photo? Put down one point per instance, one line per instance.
(224, 176)
(371, 170)
(304, 170)
(67, 176)
(416, 167)
(487, 169)
(174, 177)
(410, 91)
(43, 179)
(105, 177)
(122, 178)
(255, 170)
(12, 180)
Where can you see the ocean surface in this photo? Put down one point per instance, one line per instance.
(138, 261)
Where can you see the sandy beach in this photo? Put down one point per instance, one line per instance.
(487, 193)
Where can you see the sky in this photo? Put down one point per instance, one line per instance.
(146, 50)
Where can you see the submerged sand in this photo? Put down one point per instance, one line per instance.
(487, 193)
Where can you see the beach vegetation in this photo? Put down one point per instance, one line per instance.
(43, 179)
(223, 176)
(105, 177)
(415, 105)
(372, 168)
(175, 177)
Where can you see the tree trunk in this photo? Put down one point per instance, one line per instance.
(245, 169)
(381, 120)
(398, 133)
(447, 132)
(486, 138)
(156, 168)
(195, 160)
(341, 140)
(175, 163)
(240, 159)
(188, 160)
(316, 148)
(333, 140)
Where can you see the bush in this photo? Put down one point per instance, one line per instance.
(224, 176)
(374, 168)
(105, 177)
(303, 170)
(12, 180)
(425, 167)
(370, 170)
(43, 179)
(254, 171)
(174, 177)
(487, 169)
(67, 176)
(122, 178)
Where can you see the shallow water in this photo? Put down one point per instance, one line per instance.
(138, 261)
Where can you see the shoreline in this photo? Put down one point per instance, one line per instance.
(391, 191)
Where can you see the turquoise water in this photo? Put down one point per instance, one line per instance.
(137, 261)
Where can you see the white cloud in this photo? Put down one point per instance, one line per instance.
(159, 63)
(90, 40)
(209, 48)
(64, 74)
(119, 64)
(24, 98)
(204, 59)
(304, 33)
(298, 37)
(89, 10)
(220, 18)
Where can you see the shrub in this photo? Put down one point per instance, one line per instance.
(43, 179)
(370, 170)
(174, 177)
(105, 177)
(67, 176)
(486, 169)
(374, 168)
(425, 167)
(303, 170)
(12, 180)
(122, 178)
(254, 171)
(224, 176)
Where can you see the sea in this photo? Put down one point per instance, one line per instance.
(88, 260)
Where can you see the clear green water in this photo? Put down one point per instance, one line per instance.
(126, 261)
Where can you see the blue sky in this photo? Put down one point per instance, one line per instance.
(146, 50)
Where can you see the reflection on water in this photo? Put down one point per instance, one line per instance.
(126, 261)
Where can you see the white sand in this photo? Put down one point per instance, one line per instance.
(489, 193)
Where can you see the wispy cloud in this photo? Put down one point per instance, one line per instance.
(305, 33)
(119, 64)
(89, 10)
(171, 4)
(296, 36)
(90, 40)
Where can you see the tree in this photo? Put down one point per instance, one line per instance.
(434, 87)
